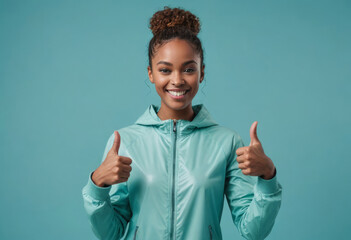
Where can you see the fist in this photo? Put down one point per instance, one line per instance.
(115, 168)
(252, 160)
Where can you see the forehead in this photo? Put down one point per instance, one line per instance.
(174, 51)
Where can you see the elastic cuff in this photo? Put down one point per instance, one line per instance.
(96, 192)
(267, 186)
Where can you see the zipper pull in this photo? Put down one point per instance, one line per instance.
(210, 227)
(135, 233)
(174, 125)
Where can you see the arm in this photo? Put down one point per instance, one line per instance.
(253, 201)
(107, 207)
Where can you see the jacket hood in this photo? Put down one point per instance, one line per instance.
(202, 119)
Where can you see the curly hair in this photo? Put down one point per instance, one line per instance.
(171, 23)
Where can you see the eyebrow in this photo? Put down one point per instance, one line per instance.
(170, 64)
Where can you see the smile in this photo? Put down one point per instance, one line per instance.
(177, 94)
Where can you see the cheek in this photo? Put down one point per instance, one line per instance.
(159, 87)
(195, 90)
(195, 84)
(160, 90)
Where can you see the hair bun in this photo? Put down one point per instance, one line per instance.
(174, 18)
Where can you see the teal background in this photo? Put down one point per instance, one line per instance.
(73, 71)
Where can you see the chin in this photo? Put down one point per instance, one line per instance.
(178, 105)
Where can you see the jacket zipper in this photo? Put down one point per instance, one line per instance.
(173, 184)
(210, 228)
(136, 229)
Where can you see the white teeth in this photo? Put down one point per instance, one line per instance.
(177, 93)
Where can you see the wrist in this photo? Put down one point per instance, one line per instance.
(96, 180)
(270, 174)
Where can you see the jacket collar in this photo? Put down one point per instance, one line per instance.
(202, 119)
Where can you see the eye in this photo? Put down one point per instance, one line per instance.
(164, 70)
(189, 70)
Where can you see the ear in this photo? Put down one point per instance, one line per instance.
(202, 73)
(149, 72)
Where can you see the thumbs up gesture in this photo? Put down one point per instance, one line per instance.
(114, 169)
(252, 159)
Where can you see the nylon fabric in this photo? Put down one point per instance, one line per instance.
(182, 172)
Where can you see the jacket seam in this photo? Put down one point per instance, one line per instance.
(227, 156)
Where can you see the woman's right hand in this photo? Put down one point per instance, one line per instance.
(114, 169)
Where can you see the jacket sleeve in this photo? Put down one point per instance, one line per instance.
(253, 201)
(108, 208)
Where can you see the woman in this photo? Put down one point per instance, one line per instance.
(167, 174)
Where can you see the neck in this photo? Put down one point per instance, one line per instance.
(166, 113)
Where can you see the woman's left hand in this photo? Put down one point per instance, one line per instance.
(252, 159)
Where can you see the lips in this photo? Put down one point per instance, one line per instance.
(177, 94)
(177, 90)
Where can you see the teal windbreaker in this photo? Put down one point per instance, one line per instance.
(181, 171)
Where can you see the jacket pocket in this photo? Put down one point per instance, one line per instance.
(210, 230)
(135, 233)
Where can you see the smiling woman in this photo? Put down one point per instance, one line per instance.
(175, 61)
(183, 161)
(177, 76)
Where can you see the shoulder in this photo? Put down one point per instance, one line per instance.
(224, 132)
(228, 138)
(128, 134)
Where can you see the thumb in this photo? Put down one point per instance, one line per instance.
(253, 134)
(116, 143)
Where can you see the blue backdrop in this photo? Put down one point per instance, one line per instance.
(73, 71)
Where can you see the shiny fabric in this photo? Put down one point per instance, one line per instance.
(181, 173)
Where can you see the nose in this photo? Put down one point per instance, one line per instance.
(177, 79)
